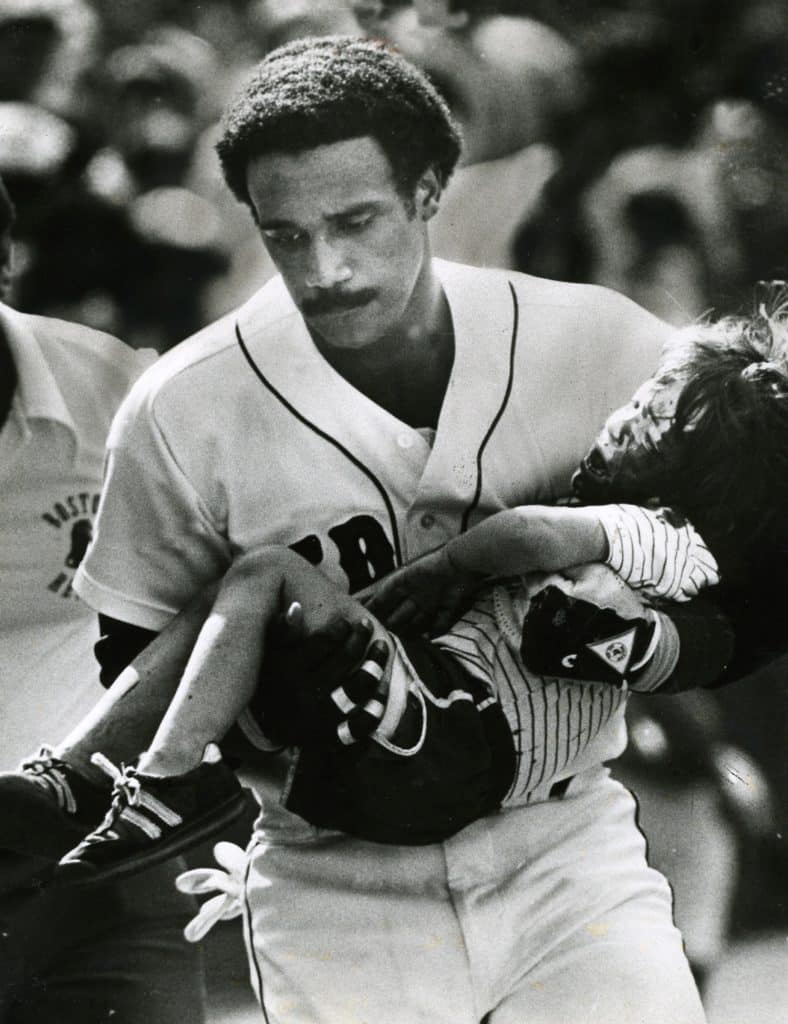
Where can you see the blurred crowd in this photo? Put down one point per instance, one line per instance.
(639, 144)
(635, 143)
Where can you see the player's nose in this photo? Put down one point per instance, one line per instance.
(327, 265)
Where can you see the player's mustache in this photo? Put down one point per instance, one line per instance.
(331, 302)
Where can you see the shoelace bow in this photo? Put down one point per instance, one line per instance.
(128, 794)
(125, 784)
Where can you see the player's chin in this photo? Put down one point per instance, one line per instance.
(350, 329)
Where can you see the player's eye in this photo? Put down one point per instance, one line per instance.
(284, 238)
(356, 221)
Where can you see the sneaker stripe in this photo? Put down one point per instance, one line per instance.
(60, 787)
(161, 810)
(43, 771)
(150, 828)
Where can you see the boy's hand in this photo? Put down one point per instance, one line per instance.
(427, 596)
(324, 687)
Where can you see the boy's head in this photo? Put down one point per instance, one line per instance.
(709, 434)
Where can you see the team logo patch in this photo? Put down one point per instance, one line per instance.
(616, 651)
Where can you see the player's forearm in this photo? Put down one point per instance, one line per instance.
(532, 538)
(704, 646)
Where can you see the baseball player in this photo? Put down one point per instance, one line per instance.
(366, 406)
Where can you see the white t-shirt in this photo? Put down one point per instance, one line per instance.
(71, 381)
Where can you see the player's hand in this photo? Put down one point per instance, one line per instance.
(426, 596)
(324, 687)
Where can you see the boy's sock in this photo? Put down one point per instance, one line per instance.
(153, 818)
(47, 805)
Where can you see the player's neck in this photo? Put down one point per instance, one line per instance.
(407, 370)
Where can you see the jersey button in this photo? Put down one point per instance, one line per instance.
(405, 441)
(427, 520)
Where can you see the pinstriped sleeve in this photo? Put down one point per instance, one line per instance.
(657, 552)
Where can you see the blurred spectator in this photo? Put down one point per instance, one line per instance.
(157, 98)
(279, 21)
(45, 46)
(703, 804)
(506, 78)
(682, 229)
(668, 175)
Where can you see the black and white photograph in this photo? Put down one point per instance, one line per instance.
(393, 512)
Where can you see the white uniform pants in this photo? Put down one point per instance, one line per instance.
(546, 914)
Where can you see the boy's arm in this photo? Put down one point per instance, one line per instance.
(427, 595)
(532, 538)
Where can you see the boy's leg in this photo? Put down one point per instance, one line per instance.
(125, 719)
(442, 757)
(48, 805)
(223, 670)
(181, 792)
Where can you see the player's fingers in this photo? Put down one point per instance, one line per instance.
(365, 683)
(320, 645)
(361, 722)
(401, 614)
(443, 621)
(385, 598)
(278, 633)
(358, 640)
(294, 618)
(347, 654)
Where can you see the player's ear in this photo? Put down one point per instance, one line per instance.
(428, 194)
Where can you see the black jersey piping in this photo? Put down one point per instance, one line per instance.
(247, 910)
(326, 437)
(491, 429)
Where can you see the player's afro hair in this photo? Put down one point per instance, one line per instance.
(731, 422)
(314, 92)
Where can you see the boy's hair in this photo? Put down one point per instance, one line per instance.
(314, 92)
(731, 433)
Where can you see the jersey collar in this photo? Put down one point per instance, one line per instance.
(38, 395)
(482, 315)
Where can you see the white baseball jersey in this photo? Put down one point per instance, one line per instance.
(562, 727)
(71, 381)
(245, 435)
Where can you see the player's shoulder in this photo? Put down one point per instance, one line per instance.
(601, 307)
(598, 301)
(207, 363)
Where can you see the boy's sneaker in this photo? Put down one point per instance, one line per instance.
(153, 818)
(47, 805)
